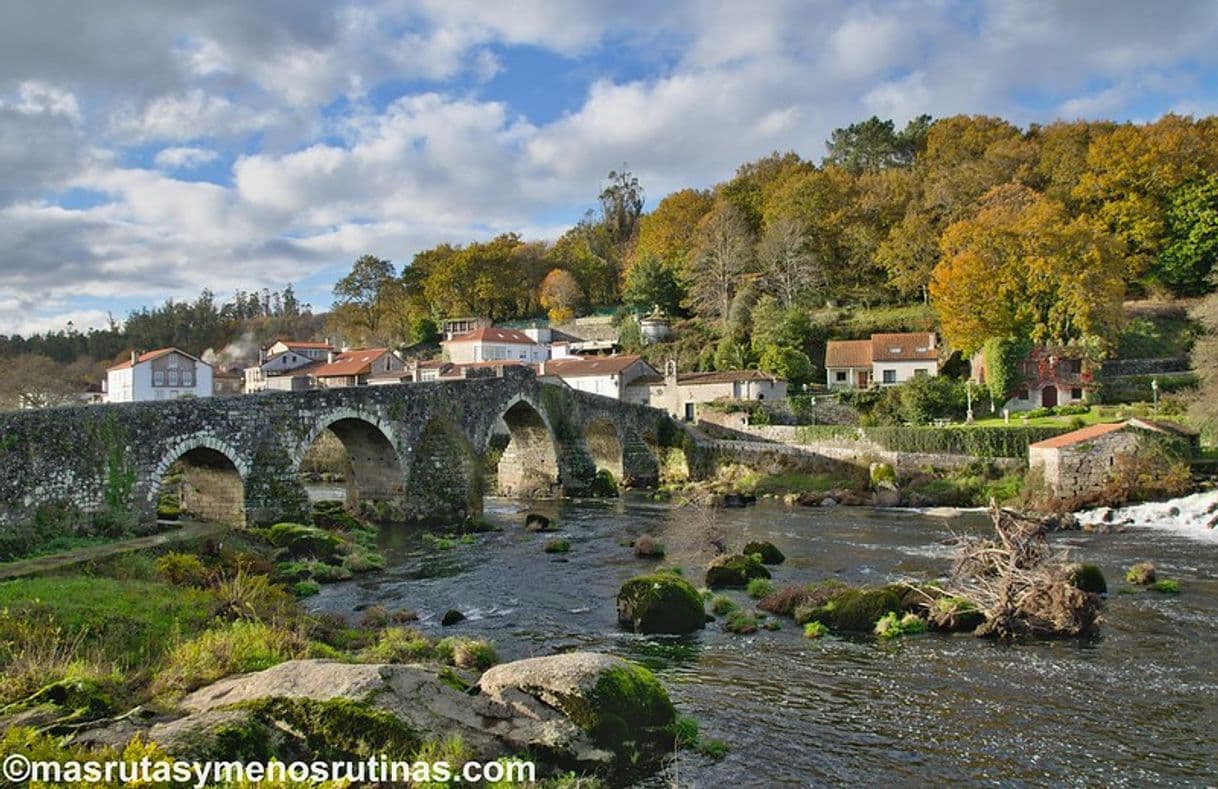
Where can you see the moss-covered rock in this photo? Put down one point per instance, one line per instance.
(535, 521)
(557, 546)
(648, 547)
(1088, 578)
(603, 484)
(785, 601)
(660, 603)
(451, 617)
(853, 610)
(766, 550)
(299, 540)
(735, 570)
(954, 615)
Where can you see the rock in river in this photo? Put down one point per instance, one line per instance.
(735, 570)
(660, 603)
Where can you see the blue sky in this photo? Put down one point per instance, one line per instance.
(148, 150)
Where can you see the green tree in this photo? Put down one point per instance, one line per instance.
(650, 283)
(1191, 249)
(789, 364)
(874, 145)
(621, 205)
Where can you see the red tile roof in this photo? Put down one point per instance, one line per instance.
(493, 334)
(908, 347)
(148, 356)
(1079, 436)
(848, 353)
(356, 362)
(723, 377)
(312, 345)
(578, 367)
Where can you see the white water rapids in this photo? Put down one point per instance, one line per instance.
(1194, 516)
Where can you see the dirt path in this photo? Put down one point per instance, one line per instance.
(41, 564)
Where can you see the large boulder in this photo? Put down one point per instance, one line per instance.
(579, 711)
(621, 706)
(766, 550)
(734, 570)
(853, 610)
(660, 603)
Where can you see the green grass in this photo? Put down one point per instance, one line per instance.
(1157, 333)
(1092, 417)
(795, 482)
(129, 622)
(859, 322)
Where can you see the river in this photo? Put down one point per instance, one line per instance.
(1139, 705)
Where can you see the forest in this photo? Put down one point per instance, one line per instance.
(997, 232)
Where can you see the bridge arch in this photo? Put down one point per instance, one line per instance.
(605, 445)
(528, 467)
(210, 481)
(376, 475)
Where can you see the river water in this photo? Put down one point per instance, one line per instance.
(1139, 705)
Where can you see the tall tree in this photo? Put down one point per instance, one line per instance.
(722, 254)
(650, 284)
(1190, 250)
(789, 267)
(873, 145)
(621, 205)
(561, 295)
(667, 233)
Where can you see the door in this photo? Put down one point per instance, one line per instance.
(689, 412)
(862, 379)
(1048, 397)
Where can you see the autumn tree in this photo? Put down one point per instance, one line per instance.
(1021, 267)
(909, 255)
(667, 233)
(722, 253)
(561, 295)
(749, 190)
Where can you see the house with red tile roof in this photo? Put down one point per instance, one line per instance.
(494, 344)
(608, 376)
(680, 393)
(354, 367)
(1080, 463)
(163, 374)
(884, 359)
(1045, 377)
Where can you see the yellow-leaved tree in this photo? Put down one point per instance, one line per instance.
(1022, 267)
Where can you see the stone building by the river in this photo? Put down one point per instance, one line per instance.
(1081, 463)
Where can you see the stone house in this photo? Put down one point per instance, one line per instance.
(163, 374)
(680, 394)
(1046, 377)
(884, 359)
(608, 376)
(1080, 463)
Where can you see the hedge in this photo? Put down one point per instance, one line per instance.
(1010, 442)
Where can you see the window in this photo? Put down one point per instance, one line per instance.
(840, 375)
(173, 377)
(1072, 366)
(1022, 394)
(889, 376)
(1076, 394)
(158, 378)
(921, 372)
(188, 378)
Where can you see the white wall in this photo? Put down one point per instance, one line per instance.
(904, 370)
(469, 352)
(134, 384)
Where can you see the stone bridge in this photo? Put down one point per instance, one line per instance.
(417, 451)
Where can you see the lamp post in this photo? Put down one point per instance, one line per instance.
(1154, 390)
(814, 410)
(968, 389)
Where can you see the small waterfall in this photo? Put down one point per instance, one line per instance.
(1194, 516)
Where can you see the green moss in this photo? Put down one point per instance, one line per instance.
(1088, 578)
(815, 630)
(244, 739)
(740, 622)
(765, 550)
(603, 484)
(721, 605)
(306, 588)
(853, 610)
(735, 570)
(759, 588)
(628, 711)
(660, 603)
(340, 728)
(892, 626)
(1166, 586)
(299, 540)
(558, 546)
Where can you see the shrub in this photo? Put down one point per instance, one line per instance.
(234, 648)
(466, 652)
(306, 588)
(181, 569)
(245, 595)
(892, 626)
(721, 604)
(1141, 574)
(815, 630)
(399, 645)
(759, 588)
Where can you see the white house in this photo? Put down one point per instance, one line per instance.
(494, 344)
(679, 395)
(283, 357)
(317, 351)
(163, 374)
(608, 376)
(885, 359)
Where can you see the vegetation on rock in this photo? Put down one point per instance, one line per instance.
(660, 603)
(734, 570)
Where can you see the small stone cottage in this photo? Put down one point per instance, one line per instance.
(1080, 463)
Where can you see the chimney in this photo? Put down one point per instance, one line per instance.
(330, 357)
(261, 355)
(135, 357)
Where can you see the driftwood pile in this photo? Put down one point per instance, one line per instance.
(1023, 584)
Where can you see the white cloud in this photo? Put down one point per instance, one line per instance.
(182, 158)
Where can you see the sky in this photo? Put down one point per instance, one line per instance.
(153, 148)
